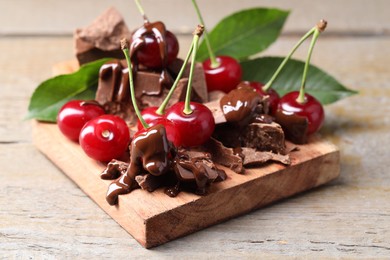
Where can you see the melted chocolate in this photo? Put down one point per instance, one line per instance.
(157, 30)
(294, 126)
(241, 105)
(150, 151)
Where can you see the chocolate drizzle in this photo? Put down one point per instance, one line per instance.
(154, 163)
(241, 105)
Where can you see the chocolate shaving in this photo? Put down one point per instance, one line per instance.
(255, 158)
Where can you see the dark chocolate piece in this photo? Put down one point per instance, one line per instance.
(114, 169)
(241, 105)
(101, 38)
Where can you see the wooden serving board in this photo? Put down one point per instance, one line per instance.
(154, 218)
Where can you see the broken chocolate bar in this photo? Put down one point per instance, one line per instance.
(101, 38)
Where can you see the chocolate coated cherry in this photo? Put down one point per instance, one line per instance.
(311, 109)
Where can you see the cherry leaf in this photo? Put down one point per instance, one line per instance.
(53, 93)
(319, 84)
(244, 33)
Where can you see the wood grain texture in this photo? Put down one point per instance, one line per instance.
(154, 218)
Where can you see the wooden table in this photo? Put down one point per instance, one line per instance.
(44, 215)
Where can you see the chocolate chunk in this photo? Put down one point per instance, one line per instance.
(261, 136)
(195, 165)
(241, 105)
(199, 86)
(264, 137)
(224, 155)
(150, 182)
(114, 169)
(101, 38)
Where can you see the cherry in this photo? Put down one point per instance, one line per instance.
(311, 109)
(149, 54)
(74, 114)
(224, 76)
(273, 95)
(105, 138)
(192, 129)
(221, 72)
(149, 114)
(299, 102)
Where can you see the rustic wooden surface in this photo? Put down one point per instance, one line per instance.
(154, 218)
(44, 215)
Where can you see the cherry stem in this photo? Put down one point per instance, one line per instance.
(125, 49)
(197, 33)
(141, 10)
(267, 86)
(161, 109)
(214, 62)
(318, 29)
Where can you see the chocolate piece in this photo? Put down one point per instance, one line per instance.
(150, 182)
(195, 165)
(294, 126)
(114, 91)
(255, 158)
(241, 105)
(101, 38)
(262, 137)
(114, 169)
(224, 155)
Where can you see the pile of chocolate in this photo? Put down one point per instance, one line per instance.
(245, 134)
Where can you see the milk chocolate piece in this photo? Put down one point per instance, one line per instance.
(224, 155)
(194, 165)
(101, 38)
(114, 169)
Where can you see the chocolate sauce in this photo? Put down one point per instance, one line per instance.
(241, 105)
(150, 152)
(294, 126)
(157, 30)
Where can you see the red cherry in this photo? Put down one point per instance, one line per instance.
(105, 138)
(149, 54)
(193, 129)
(311, 109)
(225, 77)
(74, 114)
(149, 114)
(273, 95)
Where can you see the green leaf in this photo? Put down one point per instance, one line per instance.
(51, 94)
(244, 33)
(319, 84)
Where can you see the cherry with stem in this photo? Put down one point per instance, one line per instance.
(221, 72)
(301, 103)
(193, 121)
